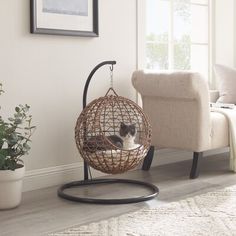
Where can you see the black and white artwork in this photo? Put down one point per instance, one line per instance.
(71, 7)
(65, 17)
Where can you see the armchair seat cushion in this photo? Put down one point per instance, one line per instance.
(219, 134)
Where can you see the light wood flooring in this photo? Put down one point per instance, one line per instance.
(42, 211)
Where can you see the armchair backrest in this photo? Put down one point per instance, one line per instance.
(177, 105)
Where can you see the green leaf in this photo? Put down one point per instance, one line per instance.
(2, 162)
(18, 115)
(26, 146)
(11, 164)
(11, 130)
(3, 153)
(15, 135)
(18, 121)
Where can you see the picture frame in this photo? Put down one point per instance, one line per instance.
(57, 17)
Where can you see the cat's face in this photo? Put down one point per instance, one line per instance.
(127, 131)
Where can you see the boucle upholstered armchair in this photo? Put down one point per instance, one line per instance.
(177, 105)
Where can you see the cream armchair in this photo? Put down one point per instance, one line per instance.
(177, 105)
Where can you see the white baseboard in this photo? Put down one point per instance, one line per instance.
(167, 156)
(51, 176)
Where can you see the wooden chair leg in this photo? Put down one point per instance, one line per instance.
(148, 159)
(197, 156)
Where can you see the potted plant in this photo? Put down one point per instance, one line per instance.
(15, 134)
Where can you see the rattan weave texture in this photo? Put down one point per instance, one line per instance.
(101, 118)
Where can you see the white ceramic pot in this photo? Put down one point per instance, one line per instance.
(11, 187)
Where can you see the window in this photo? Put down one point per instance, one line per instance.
(177, 35)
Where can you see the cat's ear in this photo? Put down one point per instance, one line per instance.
(132, 129)
(133, 126)
(122, 125)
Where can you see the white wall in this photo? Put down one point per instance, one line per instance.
(225, 32)
(48, 72)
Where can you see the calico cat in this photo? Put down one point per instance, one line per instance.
(125, 140)
(128, 134)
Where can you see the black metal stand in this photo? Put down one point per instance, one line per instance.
(148, 159)
(151, 187)
(86, 182)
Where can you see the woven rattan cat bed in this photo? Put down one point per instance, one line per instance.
(102, 118)
(99, 120)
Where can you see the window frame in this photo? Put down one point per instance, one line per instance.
(141, 35)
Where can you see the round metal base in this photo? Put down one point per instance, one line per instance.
(74, 184)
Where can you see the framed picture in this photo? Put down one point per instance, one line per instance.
(64, 17)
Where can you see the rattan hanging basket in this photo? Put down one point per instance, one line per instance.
(102, 118)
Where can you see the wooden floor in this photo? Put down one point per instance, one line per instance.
(42, 211)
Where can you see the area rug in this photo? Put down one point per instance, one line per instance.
(211, 214)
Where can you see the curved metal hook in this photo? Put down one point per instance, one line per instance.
(90, 77)
(111, 68)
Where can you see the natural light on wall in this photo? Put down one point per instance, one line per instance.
(177, 35)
